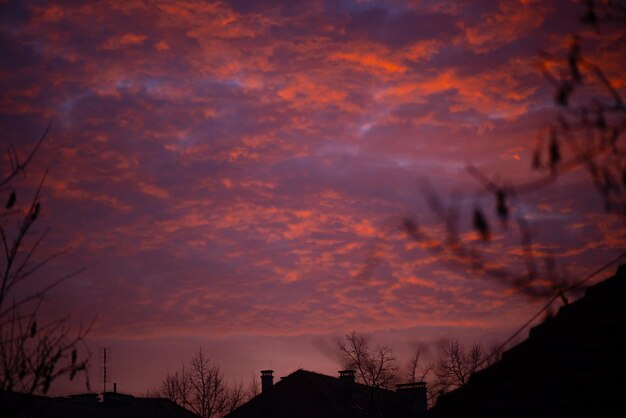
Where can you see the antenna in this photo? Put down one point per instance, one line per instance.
(106, 371)
(105, 367)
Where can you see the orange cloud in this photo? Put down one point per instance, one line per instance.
(422, 50)
(369, 61)
(513, 20)
(126, 39)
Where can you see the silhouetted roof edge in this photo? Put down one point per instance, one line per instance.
(612, 289)
(304, 374)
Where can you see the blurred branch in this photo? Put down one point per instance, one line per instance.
(14, 160)
(586, 133)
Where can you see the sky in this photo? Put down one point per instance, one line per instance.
(233, 175)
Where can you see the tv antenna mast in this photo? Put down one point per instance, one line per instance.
(106, 371)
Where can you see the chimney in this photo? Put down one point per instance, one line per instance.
(267, 380)
(412, 397)
(346, 376)
(346, 380)
(114, 387)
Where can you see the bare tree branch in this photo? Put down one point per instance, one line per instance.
(202, 389)
(416, 372)
(375, 368)
(33, 353)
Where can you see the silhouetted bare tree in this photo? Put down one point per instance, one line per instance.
(177, 387)
(201, 388)
(416, 371)
(237, 395)
(456, 365)
(34, 352)
(254, 387)
(373, 367)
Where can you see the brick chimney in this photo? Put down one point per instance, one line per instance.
(267, 380)
(412, 397)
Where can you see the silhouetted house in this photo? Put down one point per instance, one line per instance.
(305, 394)
(88, 405)
(571, 365)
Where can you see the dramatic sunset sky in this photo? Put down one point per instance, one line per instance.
(233, 175)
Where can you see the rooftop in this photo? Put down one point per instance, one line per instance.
(572, 364)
